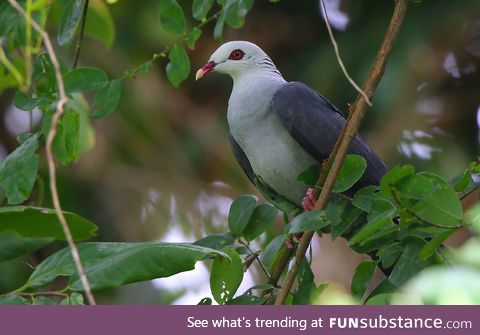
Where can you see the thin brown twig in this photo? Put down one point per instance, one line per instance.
(351, 128)
(50, 158)
(466, 194)
(255, 255)
(337, 54)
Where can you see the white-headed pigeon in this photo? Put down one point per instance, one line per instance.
(279, 129)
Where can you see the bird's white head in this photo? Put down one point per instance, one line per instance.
(237, 57)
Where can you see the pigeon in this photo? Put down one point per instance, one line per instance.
(279, 129)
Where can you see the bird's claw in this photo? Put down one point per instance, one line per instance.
(308, 201)
(292, 240)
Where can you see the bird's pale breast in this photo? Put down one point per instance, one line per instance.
(272, 152)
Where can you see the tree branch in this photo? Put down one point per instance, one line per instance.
(351, 127)
(50, 158)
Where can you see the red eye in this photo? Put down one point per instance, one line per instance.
(236, 54)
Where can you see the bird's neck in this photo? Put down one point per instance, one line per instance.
(249, 103)
(250, 84)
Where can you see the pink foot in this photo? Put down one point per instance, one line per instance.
(308, 201)
(289, 244)
(292, 240)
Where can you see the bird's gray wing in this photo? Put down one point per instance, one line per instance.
(316, 124)
(268, 192)
(241, 157)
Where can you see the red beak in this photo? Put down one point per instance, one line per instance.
(205, 69)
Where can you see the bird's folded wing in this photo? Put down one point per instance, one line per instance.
(316, 124)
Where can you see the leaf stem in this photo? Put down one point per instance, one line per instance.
(163, 53)
(28, 48)
(10, 67)
(80, 37)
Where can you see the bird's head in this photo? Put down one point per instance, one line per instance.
(237, 57)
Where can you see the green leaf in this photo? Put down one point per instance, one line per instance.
(192, 37)
(240, 213)
(99, 24)
(248, 298)
(380, 299)
(10, 19)
(200, 8)
(24, 103)
(43, 76)
(65, 144)
(36, 222)
(13, 245)
(172, 18)
(431, 247)
(352, 170)
(85, 79)
(19, 170)
(111, 264)
(72, 13)
(235, 12)
(219, 25)
(382, 289)
(373, 226)
(409, 263)
(262, 217)
(305, 292)
(393, 176)
(378, 207)
(86, 136)
(13, 299)
(179, 66)
(388, 254)
(348, 218)
(308, 221)
(73, 299)
(310, 176)
(44, 300)
(107, 99)
(366, 196)
(205, 301)
(473, 217)
(414, 187)
(463, 181)
(387, 235)
(85, 140)
(226, 276)
(216, 241)
(440, 206)
(23, 137)
(362, 277)
(39, 4)
(272, 251)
